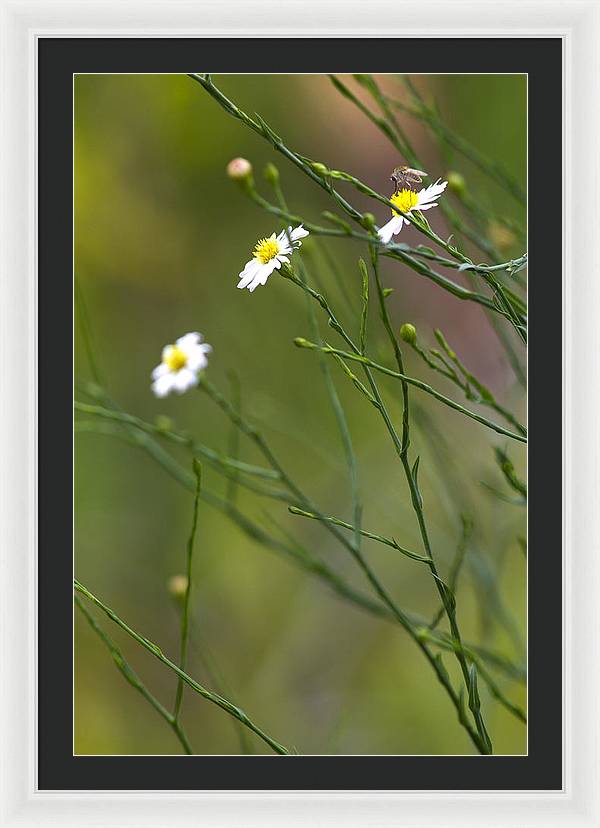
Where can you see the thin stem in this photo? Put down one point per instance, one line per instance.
(482, 739)
(188, 591)
(461, 550)
(486, 165)
(304, 559)
(423, 386)
(379, 538)
(325, 180)
(472, 388)
(132, 677)
(219, 460)
(398, 614)
(411, 476)
(220, 701)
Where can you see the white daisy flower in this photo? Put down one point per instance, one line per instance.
(181, 364)
(407, 201)
(268, 255)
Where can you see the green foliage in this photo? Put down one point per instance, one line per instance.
(481, 672)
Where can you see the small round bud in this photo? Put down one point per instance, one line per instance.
(177, 586)
(368, 221)
(456, 183)
(271, 174)
(319, 168)
(408, 333)
(163, 423)
(239, 169)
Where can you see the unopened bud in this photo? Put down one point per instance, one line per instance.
(300, 342)
(163, 423)
(177, 586)
(239, 169)
(368, 221)
(271, 174)
(319, 168)
(408, 333)
(456, 183)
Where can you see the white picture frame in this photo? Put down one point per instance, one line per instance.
(578, 24)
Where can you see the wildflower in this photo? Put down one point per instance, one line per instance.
(181, 365)
(268, 256)
(407, 201)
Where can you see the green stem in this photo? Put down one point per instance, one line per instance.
(417, 502)
(379, 538)
(132, 677)
(423, 386)
(185, 615)
(325, 181)
(308, 562)
(220, 701)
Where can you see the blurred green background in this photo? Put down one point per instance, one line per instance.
(160, 237)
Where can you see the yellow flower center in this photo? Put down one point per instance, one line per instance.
(265, 250)
(174, 358)
(405, 200)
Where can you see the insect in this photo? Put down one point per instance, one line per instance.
(406, 178)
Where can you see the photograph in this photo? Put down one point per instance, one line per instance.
(300, 414)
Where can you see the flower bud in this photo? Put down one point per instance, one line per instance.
(368, 221)
(300, 342)
(177, 586)
(271, 174)
(456, 183)
(163, 423)
(319, 168)
(408, 333)
(239, 169)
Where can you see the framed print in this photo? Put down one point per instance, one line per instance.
(317, 538)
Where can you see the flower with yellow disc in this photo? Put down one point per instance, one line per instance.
(406, 201)
(268, 256)
(181, 365)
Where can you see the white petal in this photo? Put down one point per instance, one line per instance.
(196, 360)
(428, 206)
(184, 379)
(284, 259)
(189, 340)
(160, 371)
(390, 229)
(163, 385)
(261, 278)
(298, 233)
(249, 266)
(249, 273)
(430, 193)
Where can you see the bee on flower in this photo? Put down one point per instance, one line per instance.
(268, 255)
(181, 365)
(406, 201)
